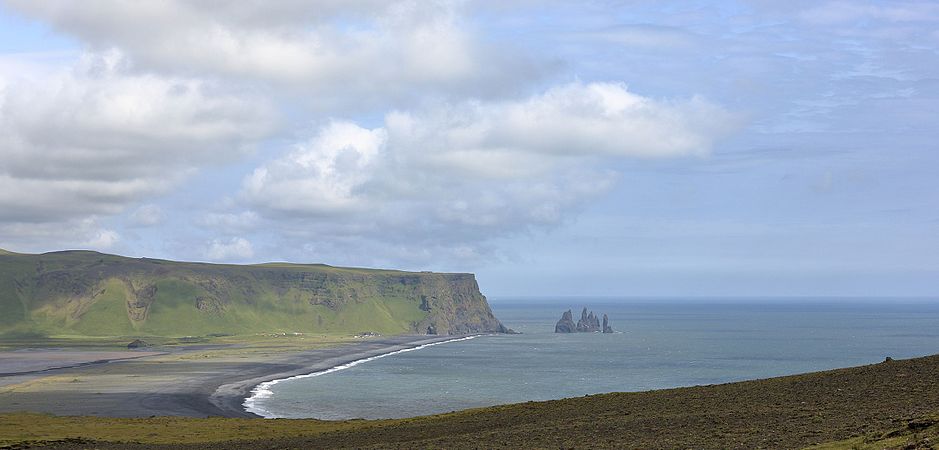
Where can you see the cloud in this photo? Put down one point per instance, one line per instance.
(643, 36)
(576, 119)
(102, 239)
(146, 216)
(92, 139)
(842, 12)
(320, 175)
(228, 222)
(234, 249)
(458, 175)
(83, 233)
(341, 54)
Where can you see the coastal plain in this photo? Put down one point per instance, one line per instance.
(203, 335)
(887, 405)
(197, 380)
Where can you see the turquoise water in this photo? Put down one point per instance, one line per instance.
(660, 344)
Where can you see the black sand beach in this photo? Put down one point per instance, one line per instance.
(185, 382)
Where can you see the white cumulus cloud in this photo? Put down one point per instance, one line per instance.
(322, 174)
(93, 139)
(102, 240)
(343, 54)
(461, 174)
(426, 142)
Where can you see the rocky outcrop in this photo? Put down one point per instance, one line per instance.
(566, 324)
(606, 325)
(139, 344)
(588, 323)
(453, 304)
(139, 300)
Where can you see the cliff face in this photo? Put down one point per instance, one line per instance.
(455, 306)
(95, 294)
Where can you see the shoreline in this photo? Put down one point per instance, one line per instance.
(891, 404)
(180, 384)
(230, 398)
(262, 390)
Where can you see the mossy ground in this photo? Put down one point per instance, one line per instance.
(20, 428)
(916, 434)
(863, 407)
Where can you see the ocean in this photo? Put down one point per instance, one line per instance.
(660, 343)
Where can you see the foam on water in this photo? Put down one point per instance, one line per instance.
(263, 390)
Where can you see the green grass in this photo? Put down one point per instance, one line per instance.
(93, 294)
(106, 316)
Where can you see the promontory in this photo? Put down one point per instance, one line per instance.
(94, 294)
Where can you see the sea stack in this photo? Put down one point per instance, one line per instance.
(566, 324)
(588, 323)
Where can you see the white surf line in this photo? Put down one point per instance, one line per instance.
(263, 390)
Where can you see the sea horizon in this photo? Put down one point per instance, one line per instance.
(551, 299)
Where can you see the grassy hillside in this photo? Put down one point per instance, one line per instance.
(888, 405)
(93, 294)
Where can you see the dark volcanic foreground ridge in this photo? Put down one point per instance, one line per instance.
(94, 294)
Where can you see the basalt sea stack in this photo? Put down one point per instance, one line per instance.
(566, 324)
(588, 323)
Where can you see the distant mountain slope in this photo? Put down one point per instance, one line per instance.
(94, 294)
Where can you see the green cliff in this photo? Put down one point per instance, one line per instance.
(93, 294)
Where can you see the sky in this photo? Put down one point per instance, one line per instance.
(589, 148)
